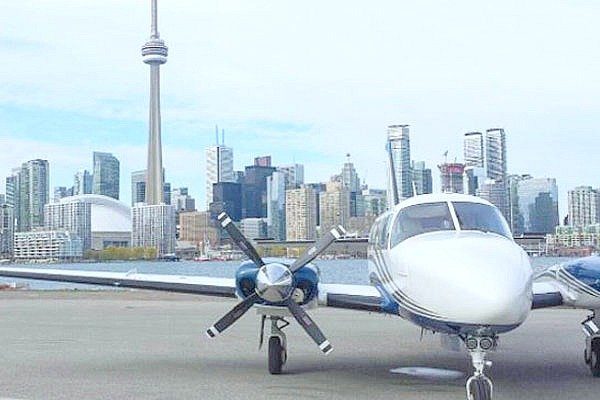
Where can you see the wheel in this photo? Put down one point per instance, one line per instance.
(276, 355)
(479, 389)
(595, 362)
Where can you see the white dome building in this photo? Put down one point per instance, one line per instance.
(111, 220)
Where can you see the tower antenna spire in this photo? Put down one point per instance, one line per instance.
(154, 32)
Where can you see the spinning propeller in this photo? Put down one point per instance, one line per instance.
(275, 283)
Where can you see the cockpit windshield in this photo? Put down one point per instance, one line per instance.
(421, 218)
(481, 217)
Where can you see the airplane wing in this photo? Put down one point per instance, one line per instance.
(200, 285)
(351, 297)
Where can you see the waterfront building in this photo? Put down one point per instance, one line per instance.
(573, 237)
(109, 222)
(375, 201)
(154, 226)
(198, 228)
(473, 178)
(72, 215)
(294, 175)
(421, 177)
(538, 204)
(55, 245)
(227, 197)
(106, 175)
(301, 213)
(398, 144)
(334, 206)
(33, 194)
(584, 206)
(276, 186)
(182, 200)
(495, 150)
(83, 183)
(254, 228)
(451, 176)
(496, 193)
(219, 168)
(474, 150)
(7, 230)
(254, 195)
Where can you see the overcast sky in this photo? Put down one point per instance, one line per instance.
(303, 81)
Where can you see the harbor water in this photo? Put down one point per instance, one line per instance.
(332, 271)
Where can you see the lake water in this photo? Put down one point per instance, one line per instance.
(332, 271)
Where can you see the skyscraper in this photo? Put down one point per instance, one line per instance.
(7, 230)
(294, 175)
(154, 53)
(584, 206)
(106, 175)
(538, 204)
(182, 201)
(334, 206)
(219, 168)
(12, 194)
(154, 226)
(33, 194)
(495, 192)
(276, 205)
(422, 177)
(83, 183)
(138, 187)
(473, 149)
(451, 175)
(227, 197)
(398, 144)
(300, 213)
(254, 194)
(495, 150)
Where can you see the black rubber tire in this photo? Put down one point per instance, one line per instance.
(479, 389)
(595, 363)
(276, 359)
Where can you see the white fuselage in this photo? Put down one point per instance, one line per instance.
(453, 280)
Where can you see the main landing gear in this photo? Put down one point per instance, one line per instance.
(479, 386)
(591, 328)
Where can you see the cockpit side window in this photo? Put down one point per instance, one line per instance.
(481, 217)
(421, 218)
(383, 232)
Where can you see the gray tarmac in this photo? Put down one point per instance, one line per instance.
(146, 345)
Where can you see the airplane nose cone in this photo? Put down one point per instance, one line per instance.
(472, 278)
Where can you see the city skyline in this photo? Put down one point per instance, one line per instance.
(65, 127)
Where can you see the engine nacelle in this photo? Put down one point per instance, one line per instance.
(580, 281)
(305, 279)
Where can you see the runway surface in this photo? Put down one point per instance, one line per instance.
(145, 345)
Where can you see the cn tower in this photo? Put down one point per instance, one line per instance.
(154, 53)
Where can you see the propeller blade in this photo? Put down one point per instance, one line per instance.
(232, 316)
(239, 239)
(310, 327)
(318, 247)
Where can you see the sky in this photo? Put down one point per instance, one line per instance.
(305, 82)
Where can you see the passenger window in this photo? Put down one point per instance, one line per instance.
(421, 218)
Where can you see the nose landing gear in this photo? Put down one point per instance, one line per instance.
(479, 386)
